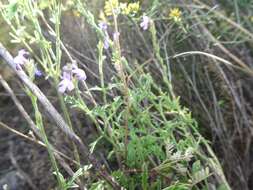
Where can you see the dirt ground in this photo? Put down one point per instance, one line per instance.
(23, 164)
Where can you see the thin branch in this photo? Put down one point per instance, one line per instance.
(19, 106)
(36, 142)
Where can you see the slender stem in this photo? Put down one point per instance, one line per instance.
(57, 7)
(67, 118)
(100, 67)
(160, 59)
(119, 68)
(89, 93)
(39, 123)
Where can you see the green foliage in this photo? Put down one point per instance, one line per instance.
(11, 10)
(70, 183)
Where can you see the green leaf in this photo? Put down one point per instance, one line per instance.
(222, 187)
(100, 185)
(93, 145)
(196, 166)
(110, 154)
(200, 175)
(78, 173)
(178, 186)
(12, 9)
(62, 179)
(144, 178)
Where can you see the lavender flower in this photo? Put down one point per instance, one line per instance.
(79, 73)
(107, 42)
(68, 71)
(145, 22)
(38, 72)
(65, 84)
(21, 59)
(104, 26)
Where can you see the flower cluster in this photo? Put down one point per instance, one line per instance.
(22, 60)
(175, 14)
(111, 7)
(130, 9)
(69, 72)
(114, 7)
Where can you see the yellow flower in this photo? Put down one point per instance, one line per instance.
(131, 8)
(124, 8)
(76, 13)
(134, 7)
(110, 7)
(175, 14)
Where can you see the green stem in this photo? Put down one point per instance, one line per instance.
(67, 118)
(40, 125)
(100, 67)
(119, 67)
(57, 6)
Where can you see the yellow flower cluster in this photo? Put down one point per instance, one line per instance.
(124, 8)
(110, 7)
(175, 14)
(131, 8)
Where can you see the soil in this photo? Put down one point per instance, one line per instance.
(23, 165)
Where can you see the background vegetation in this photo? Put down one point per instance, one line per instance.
(164, 108)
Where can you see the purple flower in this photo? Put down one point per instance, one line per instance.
(38, 72)
(68, 71)
(145, 22)
(79, 73)
(21, 59)
(103, 26)
(65, 84)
